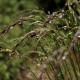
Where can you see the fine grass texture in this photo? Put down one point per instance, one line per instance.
(48, 50)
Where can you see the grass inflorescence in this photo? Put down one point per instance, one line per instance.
(53, 44)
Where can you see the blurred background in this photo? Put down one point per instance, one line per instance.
(8, 9)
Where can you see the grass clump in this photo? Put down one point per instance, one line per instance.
(50, 43)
